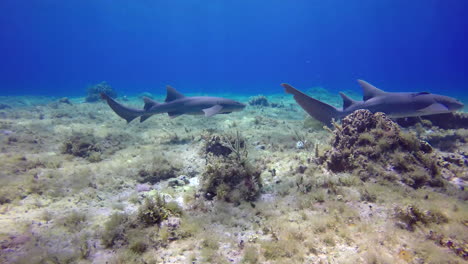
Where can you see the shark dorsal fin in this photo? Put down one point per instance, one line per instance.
(369, 91)
(347, 102)
(172, 94)
(149, 103)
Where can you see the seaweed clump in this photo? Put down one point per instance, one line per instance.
(259, 100)
(94, 92)
(153, 211)
(4, 106)
(92, 148)
(137, 230)
(229, 175)
(82, 145)
(373, 146)
(412, 215)
(161, 168)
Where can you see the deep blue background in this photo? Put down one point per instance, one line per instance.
(58, 47)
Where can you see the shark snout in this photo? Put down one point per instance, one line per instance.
(233, 106)
(240, 106)
(459, 105)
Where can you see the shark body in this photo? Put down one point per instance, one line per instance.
(375, 100)
(176, 104)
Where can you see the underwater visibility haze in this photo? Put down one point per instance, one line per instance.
(265, 144)
(58, 47)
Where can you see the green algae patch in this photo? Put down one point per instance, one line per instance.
(160, 168)
(92, 147)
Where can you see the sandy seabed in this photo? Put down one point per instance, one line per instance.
(75, 181)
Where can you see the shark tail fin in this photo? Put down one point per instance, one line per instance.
(124, 112)
(315, 108)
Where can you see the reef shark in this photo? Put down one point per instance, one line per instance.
(176, 104)
(375, 100)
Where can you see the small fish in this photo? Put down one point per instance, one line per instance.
(176, 104)
(375, 100)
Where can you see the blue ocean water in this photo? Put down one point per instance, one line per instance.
(56, 47)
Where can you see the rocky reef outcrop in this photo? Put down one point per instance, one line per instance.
(373, 146)
(259, 100)
(95, 91)
(229, 175)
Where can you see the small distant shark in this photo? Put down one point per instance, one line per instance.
(375, 100)
(176, 104)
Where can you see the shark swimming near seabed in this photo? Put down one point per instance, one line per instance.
(176, 104)
(394, 105)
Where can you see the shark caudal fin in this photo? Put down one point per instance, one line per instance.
(315, 108)
(124, 112)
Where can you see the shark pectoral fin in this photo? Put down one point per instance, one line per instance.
(216, 109)
(174, 114)
(434, 109)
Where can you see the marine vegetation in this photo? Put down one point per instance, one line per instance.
(182, 191)
(412, 215)
(160, 168)
(259, 100)
(374, 146)
(94, 92)
(228, 174)
(128, 229)
(82, 145)
(91, 147)
(153, 211)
